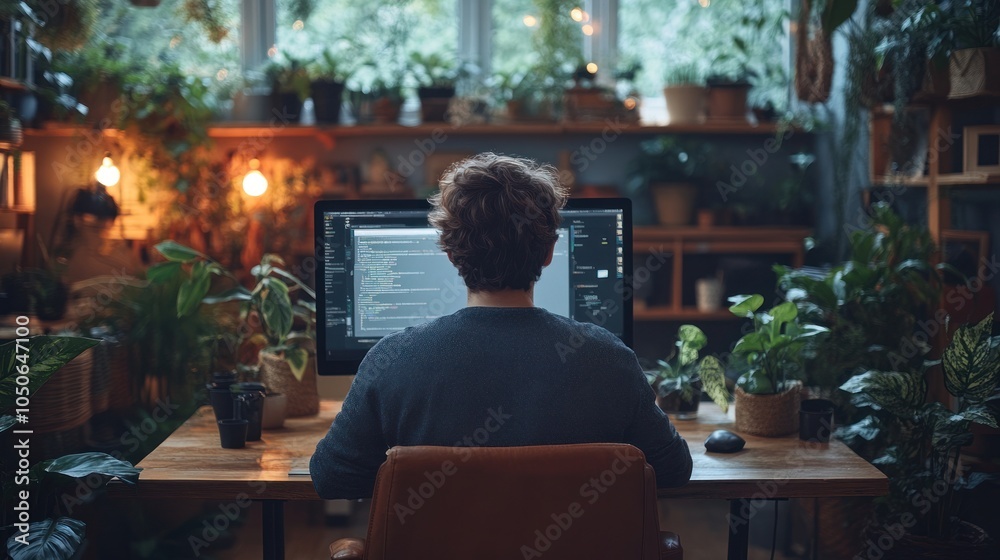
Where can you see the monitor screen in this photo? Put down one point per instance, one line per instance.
(380, 270)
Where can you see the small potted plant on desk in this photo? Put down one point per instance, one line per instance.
(767, 394)
(671, 169)
(681, 378)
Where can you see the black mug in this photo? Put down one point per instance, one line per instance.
(816, 420)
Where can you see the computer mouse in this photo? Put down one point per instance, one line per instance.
(724, 441)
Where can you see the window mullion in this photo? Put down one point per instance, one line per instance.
(257, 31)
(475, 33)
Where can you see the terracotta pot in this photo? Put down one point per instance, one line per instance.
(685, 103)
(303, 397)
(674, 202)
(434, 102)
(385, 110)
(768, 415)
(728, 101)
(974, 72)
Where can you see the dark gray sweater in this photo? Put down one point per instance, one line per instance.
(494, 376)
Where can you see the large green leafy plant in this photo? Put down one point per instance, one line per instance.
(770, 356)
(871, 303)
(926, 438)
(683, 371)
(267, 306)
(26, 367)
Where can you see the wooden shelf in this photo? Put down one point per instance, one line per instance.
(247, 130)
(11, 85)
(668, 313)
(944, 180)
(693, 240)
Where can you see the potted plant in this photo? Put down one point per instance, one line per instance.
(286, 359)
(680, 379)
(326, 87)
(770, 359)
(436, 76)
(49, 533)
(924, 466)
(672, 169)
(519, 94)
(385, 99)
(11, 134)
(973, 65)
(685, 94)
(727, 94)
(289, 82)
(99, 75)
(915, 47)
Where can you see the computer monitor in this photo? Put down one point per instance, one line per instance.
(380, 269)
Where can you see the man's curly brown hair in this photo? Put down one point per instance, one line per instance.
(498, 217)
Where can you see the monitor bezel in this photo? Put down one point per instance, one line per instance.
(326, 367)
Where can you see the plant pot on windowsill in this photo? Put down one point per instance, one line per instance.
(276, 374)
(286, 106)
(674, 202)
(677, 400)
(727, 100)
(974, 72)
(434, 102)
(768, 415)
(685, 103)
(327, 97)
(385, 110)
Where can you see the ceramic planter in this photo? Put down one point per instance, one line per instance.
(303, 397)
(434, 102)
(685, 103)
(674, 202)
(728, 101)
(275, 405)
(768, 415)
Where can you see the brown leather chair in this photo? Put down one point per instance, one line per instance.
(555, 502)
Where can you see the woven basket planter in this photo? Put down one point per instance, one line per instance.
(768, 415)
(64, 402)
(813, 60)
(974, 72)
(303, 397)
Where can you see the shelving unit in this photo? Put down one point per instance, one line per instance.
(681, 241)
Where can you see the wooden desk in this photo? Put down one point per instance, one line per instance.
(191, 464)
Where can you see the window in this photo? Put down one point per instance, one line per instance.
(713, 36)
(374, 38)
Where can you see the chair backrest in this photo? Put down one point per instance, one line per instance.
(556, 502)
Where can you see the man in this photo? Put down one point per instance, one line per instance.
(495, 373)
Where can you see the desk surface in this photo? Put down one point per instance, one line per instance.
(191, 464)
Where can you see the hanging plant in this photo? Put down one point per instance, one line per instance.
(208, 14)
(63, 26)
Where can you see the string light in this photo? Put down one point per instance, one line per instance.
(254, 182)
(221, 74)
(592, 67)
(272, 52)
(530, 21)
(704, 3)
(576, 14)
(107, 174)
(298, 25)
(588, 29)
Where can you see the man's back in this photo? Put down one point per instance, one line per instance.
(494, 376)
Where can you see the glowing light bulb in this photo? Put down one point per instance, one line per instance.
(592, 67)
(705, 3)
(588, 29)
(576, 14)
(298, 25)
(254, 182)
(530, 21)
(107, 174)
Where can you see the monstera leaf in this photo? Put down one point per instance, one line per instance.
(971, 362)
(86, 465)
(51, 539)
(900, 393)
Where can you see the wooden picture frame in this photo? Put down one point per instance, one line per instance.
(961, 246)
(981, 149)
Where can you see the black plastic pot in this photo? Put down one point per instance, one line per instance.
(434, 102)
(233, 433)
(222, 403)
(250, 399)
(671, 401)
(816, 420)
(327, 96)
(251, 107)
(286, 108)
